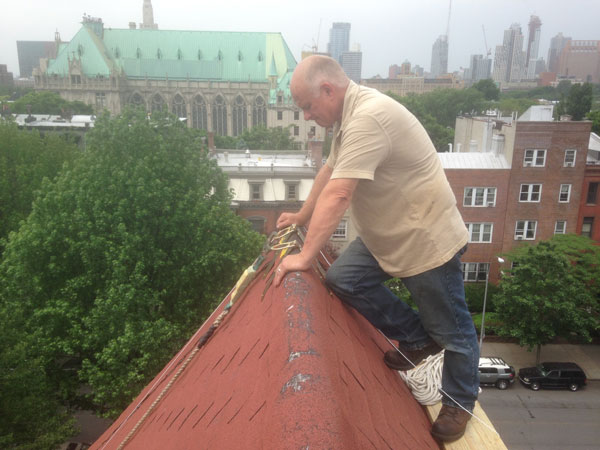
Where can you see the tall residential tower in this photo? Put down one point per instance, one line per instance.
(339, 39)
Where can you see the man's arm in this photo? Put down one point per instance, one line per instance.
(303, 216)
(328, 210)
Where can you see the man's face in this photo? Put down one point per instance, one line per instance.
(317, 108)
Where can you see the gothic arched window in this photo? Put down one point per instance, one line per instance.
(137, 101)
(158, 103)
(199, 117)
(219, 116)
(178, 107)
(259, 112)
(239, 116)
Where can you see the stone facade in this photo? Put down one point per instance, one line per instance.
(202, 86)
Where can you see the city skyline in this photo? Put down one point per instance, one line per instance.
(390, 34)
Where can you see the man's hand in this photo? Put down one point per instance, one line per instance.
(287, 219)
(289, 264)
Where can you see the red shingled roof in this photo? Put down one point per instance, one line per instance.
(288, 367)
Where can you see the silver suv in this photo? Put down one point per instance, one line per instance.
(493, 370)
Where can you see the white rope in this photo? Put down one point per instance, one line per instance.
(425, 380)
(440, 388)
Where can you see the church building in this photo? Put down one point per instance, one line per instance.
(220, 81)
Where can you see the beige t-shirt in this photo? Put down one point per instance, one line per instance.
(403, 206)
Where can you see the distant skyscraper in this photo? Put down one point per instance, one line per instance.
(30, 52)
(480, 69)
(439, 56)
(509, 60)
(351, 62)
(557, 43)
(339, 39)
(533, 45)
(148, 16)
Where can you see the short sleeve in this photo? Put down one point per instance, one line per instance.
(364, 146)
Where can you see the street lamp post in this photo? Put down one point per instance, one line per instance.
(487, 279)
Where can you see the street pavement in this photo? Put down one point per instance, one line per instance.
(587, 356)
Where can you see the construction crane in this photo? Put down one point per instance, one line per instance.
(315, 46)
(448, 23)
(487, 51)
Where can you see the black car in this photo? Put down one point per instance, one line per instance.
(553, 375)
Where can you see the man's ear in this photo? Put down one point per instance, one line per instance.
(327, 89)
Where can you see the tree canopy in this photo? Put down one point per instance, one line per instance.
(550, 292)
(122, 257)
(257, 138)
(579, 101)
(26, 158)
(45, 102)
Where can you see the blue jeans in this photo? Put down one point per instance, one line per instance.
(443, 316)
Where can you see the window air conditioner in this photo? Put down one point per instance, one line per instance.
(519, 238)
(528, 164)
(490, 204)
(569, 164)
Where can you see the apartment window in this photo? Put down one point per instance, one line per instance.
(313, 130)
(565, 193)
(570, 158)
(279, 115)
(291, 190)
(479, 196)
(592, 193)
(534, 158)
(296, 115)
(480, 232)
(530, 193)
(100, 100)
(475, 271)
(560, 227)
(256, 191)
(296, 130)
(587, 226)
(258, 223)
(341, 232)
(525, 229)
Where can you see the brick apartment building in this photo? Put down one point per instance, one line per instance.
(532, 176)
(588, 222)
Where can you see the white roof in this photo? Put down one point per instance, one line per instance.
(49, 120)
(473, 160)
(593, 155)
(262, 161)
(538, 113)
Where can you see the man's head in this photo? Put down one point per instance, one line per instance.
(318, 87)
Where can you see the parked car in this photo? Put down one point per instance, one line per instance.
(553, 375)
(494, 371)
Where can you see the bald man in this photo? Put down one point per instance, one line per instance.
(383, 166)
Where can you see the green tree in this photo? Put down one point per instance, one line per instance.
(594, 116)
(263, 138)
(548, 294)
(508, 105)
(579, 100)
(45, 102)
(122, 257)
(488, 88)
(26, 159)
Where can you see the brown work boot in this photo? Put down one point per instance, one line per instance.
(450, 424)
(395, 360)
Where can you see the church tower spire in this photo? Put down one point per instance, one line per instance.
(148, 17)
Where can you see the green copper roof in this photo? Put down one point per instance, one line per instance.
(197, 55)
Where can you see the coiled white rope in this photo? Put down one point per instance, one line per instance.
(425, 380)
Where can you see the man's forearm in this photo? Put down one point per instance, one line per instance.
(328, 211)
(319, 184)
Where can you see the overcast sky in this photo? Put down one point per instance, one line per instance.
(388, 31)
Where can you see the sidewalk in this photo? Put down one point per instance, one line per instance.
(587, 356)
